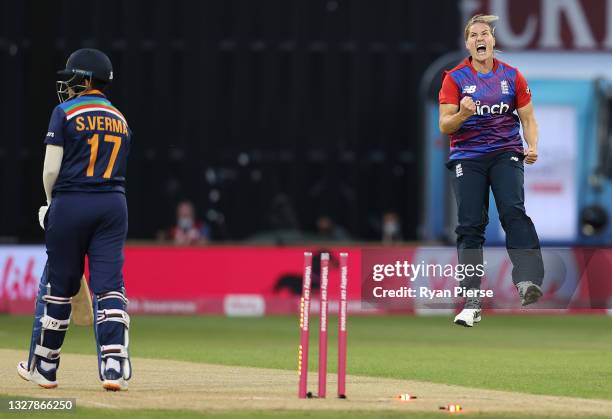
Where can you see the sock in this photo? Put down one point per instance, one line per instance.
(113, 364)
(47, 366)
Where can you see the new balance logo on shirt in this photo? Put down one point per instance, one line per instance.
(459, 170)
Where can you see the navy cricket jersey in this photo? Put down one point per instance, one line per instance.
(96, 141)
(495, 127)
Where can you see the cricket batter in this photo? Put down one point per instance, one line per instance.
(483, 103)
(86, 214)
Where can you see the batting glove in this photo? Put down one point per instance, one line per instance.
(42, 211)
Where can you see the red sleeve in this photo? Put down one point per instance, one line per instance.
(449, 93)
(523, 93)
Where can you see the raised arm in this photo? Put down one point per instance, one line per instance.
(453, 116)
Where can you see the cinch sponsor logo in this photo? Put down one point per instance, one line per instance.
(498, 108)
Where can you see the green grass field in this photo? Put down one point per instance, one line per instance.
(549, 355)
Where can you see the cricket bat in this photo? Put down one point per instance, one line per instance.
(82, 311)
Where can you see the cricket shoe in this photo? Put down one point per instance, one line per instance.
(45, 379)
(470, 313)
(529, 292)
(114, 381)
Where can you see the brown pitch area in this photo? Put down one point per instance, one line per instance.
(174, 385)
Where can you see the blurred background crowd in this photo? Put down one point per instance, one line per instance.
(261, 121)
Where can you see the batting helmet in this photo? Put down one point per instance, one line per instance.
(83, 64)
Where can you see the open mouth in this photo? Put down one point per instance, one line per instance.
(481, 49)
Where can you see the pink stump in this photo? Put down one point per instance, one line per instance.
(342, 326)
(323, 326)
(304, 322)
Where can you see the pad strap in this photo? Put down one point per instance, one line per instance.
(113, 294)
(50, 323)
(118, 351)
(51, 299)
(113, 315)
(47, 353)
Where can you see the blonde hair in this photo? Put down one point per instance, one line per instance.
(486, 19)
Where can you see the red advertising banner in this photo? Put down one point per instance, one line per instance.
(20, 271)
(256, 281)
(245, 281)
(231, 280)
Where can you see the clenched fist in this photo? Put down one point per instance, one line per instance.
(531, 155)
(467, 107)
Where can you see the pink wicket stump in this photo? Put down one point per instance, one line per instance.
(342, 310)
(323, 326)
(304, 323)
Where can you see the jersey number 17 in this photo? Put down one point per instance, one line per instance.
(93, 145)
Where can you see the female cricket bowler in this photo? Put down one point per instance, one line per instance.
(483, 102)
(86, 214)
